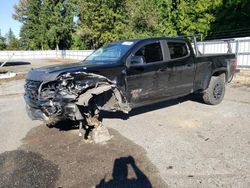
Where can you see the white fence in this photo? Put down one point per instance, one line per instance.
(240, 47)
(66, 54)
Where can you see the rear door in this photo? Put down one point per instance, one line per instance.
(142, 81)
(182, 71)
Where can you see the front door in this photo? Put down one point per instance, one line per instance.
(142, 78)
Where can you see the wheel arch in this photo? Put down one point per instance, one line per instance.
(217, 72)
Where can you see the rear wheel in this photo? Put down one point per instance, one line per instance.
(215, 92)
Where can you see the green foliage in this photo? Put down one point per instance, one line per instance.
(46, 24)
(166, 25)
(11, 41)
(2, 42)
(144, 17)
(193, 16)
(232, 19)
(28, 12)
(78, 43)
(59, 23)
(49, 24)
(101, 21)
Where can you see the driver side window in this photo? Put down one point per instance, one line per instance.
(151, 52)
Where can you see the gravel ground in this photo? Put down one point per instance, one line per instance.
(205, 146)
(47, 159)
(23, 66)
(180, 143)
(14, 123)
(242, 78)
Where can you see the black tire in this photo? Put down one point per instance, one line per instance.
(215, 92)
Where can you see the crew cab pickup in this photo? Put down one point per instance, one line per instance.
(124, 75)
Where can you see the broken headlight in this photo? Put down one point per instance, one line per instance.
(49, 90)
(47, 94)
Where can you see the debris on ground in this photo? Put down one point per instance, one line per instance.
(101, 134)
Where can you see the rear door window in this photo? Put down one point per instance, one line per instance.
(151, 52)
(177, 50)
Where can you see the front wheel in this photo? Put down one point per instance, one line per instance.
(215, 92)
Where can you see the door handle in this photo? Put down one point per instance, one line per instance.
(189, 65)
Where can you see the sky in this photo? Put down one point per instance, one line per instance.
(6, 20)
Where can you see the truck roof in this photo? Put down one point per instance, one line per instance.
(155, 38)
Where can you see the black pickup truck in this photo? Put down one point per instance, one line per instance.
(124, 75)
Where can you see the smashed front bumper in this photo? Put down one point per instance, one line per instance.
(49, 111)
(36, 114)
(76, 96)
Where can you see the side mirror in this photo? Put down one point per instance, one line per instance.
(137, 60)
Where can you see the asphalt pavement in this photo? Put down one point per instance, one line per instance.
(179, 143)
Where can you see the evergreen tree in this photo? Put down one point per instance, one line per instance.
(11, 41)
(2, 42)
(143, 17)
(49, 24)
(59, 23)
(10, 36)
(101, 21)
(193, 16)
(46, 24)
(165, 25)
(28, 12)
(232, 19)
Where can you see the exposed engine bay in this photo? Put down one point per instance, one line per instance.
(78, 96)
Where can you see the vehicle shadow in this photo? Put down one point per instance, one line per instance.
(15, 63)
(121, 175)
(152, 107)
(66, 125)
(21, 168)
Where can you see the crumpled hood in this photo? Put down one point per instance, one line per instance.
(50, 73)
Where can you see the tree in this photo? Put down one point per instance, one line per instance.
(165, 25)
(2, 42)
(192, 16)
(143, 17)
(101, 21)
(46, 24)
(232, 19)
(60, 23)
(49, 24)
(12, 42)
(77, 42)
(28, 12)
(10, 37)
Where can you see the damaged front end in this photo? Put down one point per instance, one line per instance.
(77, 96)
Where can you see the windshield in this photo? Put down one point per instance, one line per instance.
(110, 52)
